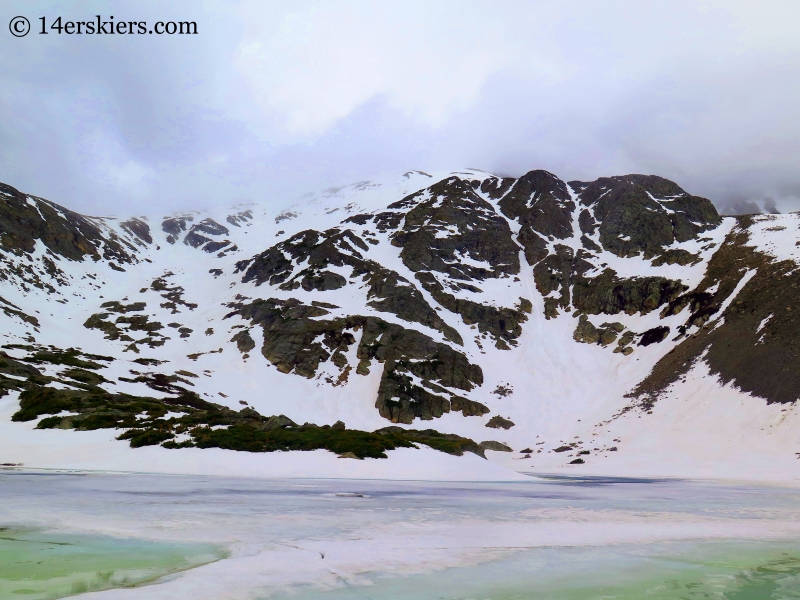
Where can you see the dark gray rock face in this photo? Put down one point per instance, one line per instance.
(504, 324)
(198, 233)
(241, 217)
(755, 346)
(453, 239)
(541, 203)
(297, 341)
(611, 295)
(641, 214)
(498, 422)
(24, 220)
(449, 221)
(605, 334)
(138, 228)
(244, 341)
(630, 215)
(388, 291)
(449, 229)
(654, 335)
(174, 226)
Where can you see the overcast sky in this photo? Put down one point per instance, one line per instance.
(274, 99)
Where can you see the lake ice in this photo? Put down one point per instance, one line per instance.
(121, 536)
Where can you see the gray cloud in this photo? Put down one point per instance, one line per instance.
(740, 207)
(770, 206)
(274, 99)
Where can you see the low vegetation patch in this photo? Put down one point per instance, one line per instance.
(183, 419)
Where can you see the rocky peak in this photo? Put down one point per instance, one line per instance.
(542, 205)
(641, 214)
(24, 220)
(450, 229)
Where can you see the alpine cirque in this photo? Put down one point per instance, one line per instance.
(616, 326)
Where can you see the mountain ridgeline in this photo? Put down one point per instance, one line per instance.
(466, 299)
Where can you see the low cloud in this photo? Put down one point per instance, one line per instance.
(272, 99)
(321, 61)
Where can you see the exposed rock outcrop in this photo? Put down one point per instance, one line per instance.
(296, 341)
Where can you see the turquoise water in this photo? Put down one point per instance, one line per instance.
(143, 536)
(45, 564)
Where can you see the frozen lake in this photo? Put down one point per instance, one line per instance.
(122, 536)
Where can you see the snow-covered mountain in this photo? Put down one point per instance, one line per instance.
(615, 326)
